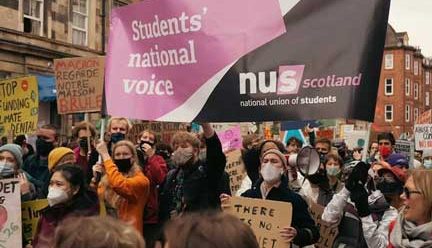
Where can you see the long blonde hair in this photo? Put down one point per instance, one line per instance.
(110, 196)
(423, 182)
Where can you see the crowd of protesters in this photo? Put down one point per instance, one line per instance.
(171, 195)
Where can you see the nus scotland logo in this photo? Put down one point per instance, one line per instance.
(284, 82)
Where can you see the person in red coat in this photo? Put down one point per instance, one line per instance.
(155, 169)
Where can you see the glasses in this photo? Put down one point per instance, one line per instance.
(408, 192)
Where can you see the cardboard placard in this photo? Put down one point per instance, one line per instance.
(328, 233)
(10, 214)
(423, 136)
(235, 169)
(79, 84)
(19, 106)
(164, 130)
(30, 217)
(265, 217)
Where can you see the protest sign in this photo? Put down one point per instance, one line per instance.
(356, 138)
(423, 136)
(265, 217)
(164, 130)
(235, 169)
(19, 106)
(10, 213)
(325, 133)
(30, 217)
(231, 138)
(298, 134)
(424, 118)
(192, 59)
(328, 233)
(406, 148)
(245, 127)
(79, 84)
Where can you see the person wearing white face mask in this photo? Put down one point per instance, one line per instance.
(333, 165)
(67, 197)
(427, 159)
(273, 185)
(10, 166)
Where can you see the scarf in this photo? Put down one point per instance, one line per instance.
(406, 234)
(178, 192)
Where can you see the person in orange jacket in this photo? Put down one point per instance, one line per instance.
(124, 189)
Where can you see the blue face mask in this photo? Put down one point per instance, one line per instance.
(428, 163)
(6, 170)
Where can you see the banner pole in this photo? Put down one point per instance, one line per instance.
(86, 118)
(102, 133)
(365, 150)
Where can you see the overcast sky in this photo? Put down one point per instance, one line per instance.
(412, 16)
(415, 18)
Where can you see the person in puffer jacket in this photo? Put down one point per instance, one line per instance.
(374, 211)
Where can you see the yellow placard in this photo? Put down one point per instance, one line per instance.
(30, 217)
(19, 106)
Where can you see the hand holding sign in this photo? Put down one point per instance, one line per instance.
(102, 149)
(24, 184)
(288, 233)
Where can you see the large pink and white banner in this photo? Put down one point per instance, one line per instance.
(165, 57)
(245, 60)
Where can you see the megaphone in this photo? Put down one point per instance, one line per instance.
(307, 161)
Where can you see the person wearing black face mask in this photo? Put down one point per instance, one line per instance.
(124, 188)
(390, 182)
(118, 128)
(317, 188)
(375, 214)
(37, 165)
(84, 132)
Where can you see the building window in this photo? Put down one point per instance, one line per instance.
(388, 87)
(33, 16)
(117, 3)
(80, 22)
(407, 87)
(5, 75)
(388, 112)
(407, 113)
(427, 76)
(427, 98)
(407, 61)
(416, 114)
(416, 68)
(388, 64)
(416, 91)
